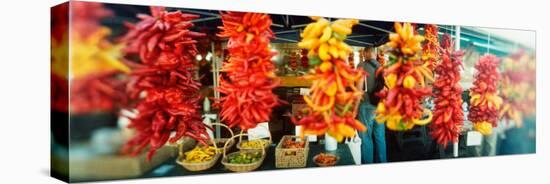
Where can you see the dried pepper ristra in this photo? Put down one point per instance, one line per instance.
(333, 99)
(448, 114)
(165, 74)
(248, 99)
(431, 48)
(484, 99)
(515, 88)
(404, 75)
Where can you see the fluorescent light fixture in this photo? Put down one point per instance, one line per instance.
(491, 47)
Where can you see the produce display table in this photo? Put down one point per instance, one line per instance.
(171, 168)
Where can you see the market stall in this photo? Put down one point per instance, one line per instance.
(193, 92)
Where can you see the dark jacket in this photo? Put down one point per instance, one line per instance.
(373, 83)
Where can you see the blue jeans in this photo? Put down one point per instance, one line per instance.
(373, 141)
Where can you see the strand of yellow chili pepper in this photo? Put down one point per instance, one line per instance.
(333, 96)
(96, 64)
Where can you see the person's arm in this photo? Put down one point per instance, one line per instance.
(361, 83)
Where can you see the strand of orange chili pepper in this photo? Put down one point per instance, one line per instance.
(484, 99)
(404, 74)
(431, 48)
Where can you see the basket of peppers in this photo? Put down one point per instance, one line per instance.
(291, 152)
(254, 144)
(200, 158)
(243, 160)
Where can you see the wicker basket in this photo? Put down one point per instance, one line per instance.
(291, 157)
(266, 146)
(201, 166)
(242, 167)
(222, 141)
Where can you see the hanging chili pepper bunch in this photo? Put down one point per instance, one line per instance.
(484, 99)
(248, 99)
(381, 59)
(85, 17)
(59, 72)
(333, 99)
(431, 47)
(404, 75)
(96, 66)
(530, 101)
(304, 61)
(515, 88)
(293, 61)
(448, 114)
(165, 75)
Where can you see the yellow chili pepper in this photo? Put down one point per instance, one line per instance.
(483, 127)
(332, 89)
(390, 80)
(325, 66)
(409, 82)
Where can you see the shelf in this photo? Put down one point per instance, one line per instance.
(289, 81)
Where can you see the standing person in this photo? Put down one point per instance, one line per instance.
(373, 147)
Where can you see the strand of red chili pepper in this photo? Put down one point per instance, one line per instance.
(166, 48)
(448, 113)
(248, 99)
(484, 102)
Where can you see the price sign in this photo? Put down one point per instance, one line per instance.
(259, 132)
